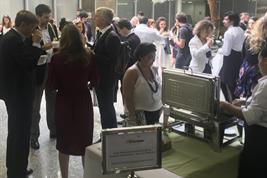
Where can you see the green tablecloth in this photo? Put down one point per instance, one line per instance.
(193, 158)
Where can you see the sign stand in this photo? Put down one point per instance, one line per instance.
(132, 175)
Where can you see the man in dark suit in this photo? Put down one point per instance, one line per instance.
(244, 18)
(18, 60)
(125, 30)
(124, 27)
(106, 50)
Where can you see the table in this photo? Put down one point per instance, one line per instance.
(188, 158)
(93, 168)
(193, 158)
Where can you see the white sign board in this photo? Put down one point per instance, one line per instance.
(132, 148)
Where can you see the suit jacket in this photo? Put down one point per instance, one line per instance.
(133, 41)
(106, 52)
(243, 26)
(18, 60)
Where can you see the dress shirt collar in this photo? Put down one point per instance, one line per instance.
(142, 25)
(129, 34)
(262, 78)
(105, 29)
(198, 39)
(44, 28)
(231, 26)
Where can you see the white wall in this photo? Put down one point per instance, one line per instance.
(33, 3)
(10, 7)
(67, 9)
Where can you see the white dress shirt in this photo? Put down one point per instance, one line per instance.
(233, 40)
(105, 29)
(147, 34)
(198, 52)
(46, 39)
(256, 111)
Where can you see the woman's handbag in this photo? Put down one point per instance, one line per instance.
(167, 47)
(137, 120)
(140, 118)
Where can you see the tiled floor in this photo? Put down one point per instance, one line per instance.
(44, 161)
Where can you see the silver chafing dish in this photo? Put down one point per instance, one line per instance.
(193, 101)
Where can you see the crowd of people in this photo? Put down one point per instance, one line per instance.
(68, 61)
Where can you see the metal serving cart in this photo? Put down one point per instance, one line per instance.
(193, 101)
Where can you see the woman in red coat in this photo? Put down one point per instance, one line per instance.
(71, 71)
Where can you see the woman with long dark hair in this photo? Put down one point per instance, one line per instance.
(70, 71)
(163, 54)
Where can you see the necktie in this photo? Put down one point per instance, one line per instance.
(98, 34)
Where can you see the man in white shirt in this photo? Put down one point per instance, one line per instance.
(253, 159)
(43, 13)
(231, 50)
(145, 33)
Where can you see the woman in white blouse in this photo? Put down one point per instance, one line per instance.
(200, 46)
(163, 53)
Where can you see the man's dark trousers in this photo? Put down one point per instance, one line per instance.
(105, 98)
(19, 111)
